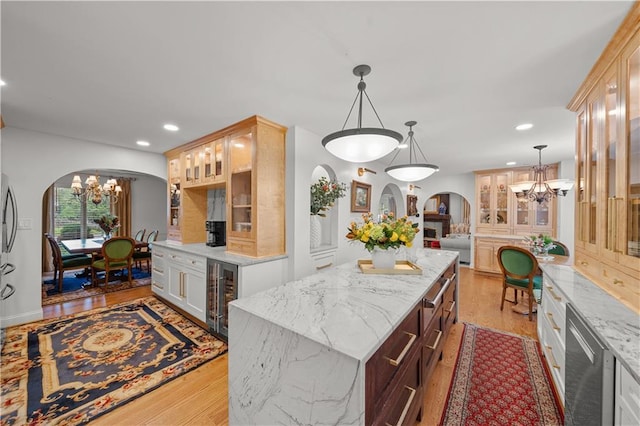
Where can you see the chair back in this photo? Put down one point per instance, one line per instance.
(559, 249)
(118, 249)
(517, 262)
(55, 249)
(140, 235)
(152, 236)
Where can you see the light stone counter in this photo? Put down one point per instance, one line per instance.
(216, 253)
(617, 325)
(297, 352)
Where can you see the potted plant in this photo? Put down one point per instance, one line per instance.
(324, 194)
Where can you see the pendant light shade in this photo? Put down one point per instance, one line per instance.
(413, 171)
(361, 144)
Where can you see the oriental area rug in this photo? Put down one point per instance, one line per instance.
(500, 379)
(73, 369)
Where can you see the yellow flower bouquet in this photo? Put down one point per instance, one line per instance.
(388, 233)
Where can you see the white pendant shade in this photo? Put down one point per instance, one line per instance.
(411, 172)
(362, 145)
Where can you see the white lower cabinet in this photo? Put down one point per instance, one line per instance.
(158, 276)
(186, 283)
(627, 398)
(551, 332)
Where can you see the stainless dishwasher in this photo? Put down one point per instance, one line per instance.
(589, 375)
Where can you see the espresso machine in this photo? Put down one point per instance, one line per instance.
(216, 233)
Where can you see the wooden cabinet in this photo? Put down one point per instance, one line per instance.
(493, 201)
(186, 283)
(551, 332)
(486, 251)
(531, 217)
(607, 107)
(247, 160)
(256, 189)
(394, 387)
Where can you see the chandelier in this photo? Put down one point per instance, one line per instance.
(361, 144)
(413, 171)
(540, 189)
(95, 192)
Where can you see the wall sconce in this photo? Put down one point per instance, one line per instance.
(362, 170)
(412, 187)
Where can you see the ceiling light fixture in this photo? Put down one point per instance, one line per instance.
(361, 144)
(2, 83)
(94, 191)
(540, 189)
(413, 171)
(525, 126)
(171, 127)
(143, 143)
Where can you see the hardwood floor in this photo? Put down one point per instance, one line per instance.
(200, 397)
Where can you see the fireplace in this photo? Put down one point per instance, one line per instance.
(440, 222)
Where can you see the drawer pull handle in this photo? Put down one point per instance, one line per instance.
(583, 263)
(553, 323)
(554, 364)
(397, 361)
(617, 281)
(435, 345)
(412, 394)
(555, 296)
(324, 266)
(453, 303)
(158, 270)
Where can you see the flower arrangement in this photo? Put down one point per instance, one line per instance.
(108, 223)
(324, 193)
(540, 244)
(388, 233)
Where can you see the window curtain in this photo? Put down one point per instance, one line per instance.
(47, 219)
(122, 208)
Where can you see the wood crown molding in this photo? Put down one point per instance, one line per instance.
(621, 37)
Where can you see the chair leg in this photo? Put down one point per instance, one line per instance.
(130, 273)
(530, 306)
(60, 276)
(504, 294)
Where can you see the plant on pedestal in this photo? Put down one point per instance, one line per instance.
(324, 194)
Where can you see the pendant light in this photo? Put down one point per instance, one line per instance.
(361, 144)
(413, 171)
(540, 189)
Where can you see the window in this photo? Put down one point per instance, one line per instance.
(74, 217)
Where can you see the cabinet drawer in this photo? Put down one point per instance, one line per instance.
(628, 388)
(324, 260)
(449, 307)
(433, 344)
(402, 405)
(188, 260)
(554, 357)
(392, 356)
(241, 247)
(431, 304)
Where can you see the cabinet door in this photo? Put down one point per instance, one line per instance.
(214, 161)
(175, 292)
(485, 257)
(502, 201)
(194, 292)
(241, 214)
(483, 189)
(174, 196)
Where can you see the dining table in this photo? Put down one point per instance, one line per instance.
(91, 245)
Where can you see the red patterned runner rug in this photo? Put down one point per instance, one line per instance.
(69, 370)
(500, 379)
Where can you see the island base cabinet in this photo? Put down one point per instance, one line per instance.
(627, 398)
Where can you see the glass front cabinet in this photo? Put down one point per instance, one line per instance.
(607, 107)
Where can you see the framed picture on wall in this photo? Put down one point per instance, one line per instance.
(360, 197)
(412, 205)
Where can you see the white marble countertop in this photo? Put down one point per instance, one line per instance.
(344, 309)
(216, 253)
(617, 325)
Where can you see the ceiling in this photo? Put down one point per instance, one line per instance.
(467, 72)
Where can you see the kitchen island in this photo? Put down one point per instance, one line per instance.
(339, 346)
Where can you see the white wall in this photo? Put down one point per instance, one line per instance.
(32, 161)
(566, 207)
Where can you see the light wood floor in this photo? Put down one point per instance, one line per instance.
(200, 397)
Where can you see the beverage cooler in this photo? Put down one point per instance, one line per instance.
(222, 288)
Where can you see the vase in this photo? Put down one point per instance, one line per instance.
(383, 259)
(106, 236)
(315, 231)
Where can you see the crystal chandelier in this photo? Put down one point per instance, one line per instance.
(540, 189)
(361, 144)
(95, 192)
(413, 171)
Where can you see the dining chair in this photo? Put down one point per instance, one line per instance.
(140, 235)
(117, 254)
(520, 272)
(145, 253)
(559, 249)
(65, 262)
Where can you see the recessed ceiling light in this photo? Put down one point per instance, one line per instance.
(171, 127)
(143, 143)
(2, 83)
(511, 163)
(524, 126)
